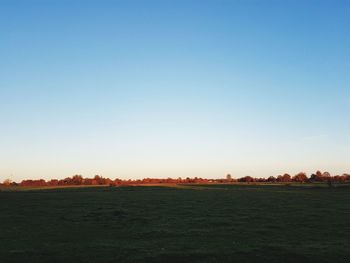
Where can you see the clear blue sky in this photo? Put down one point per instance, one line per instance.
(134, 89)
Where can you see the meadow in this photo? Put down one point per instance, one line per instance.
(178, 223)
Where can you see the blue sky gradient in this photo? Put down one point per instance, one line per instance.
(134, 89)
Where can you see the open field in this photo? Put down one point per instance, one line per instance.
(186, 223)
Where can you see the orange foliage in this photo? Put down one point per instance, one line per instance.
(99, 180)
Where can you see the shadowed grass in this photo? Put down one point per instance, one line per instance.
(181, 223)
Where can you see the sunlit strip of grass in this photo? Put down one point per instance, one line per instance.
(33, 188)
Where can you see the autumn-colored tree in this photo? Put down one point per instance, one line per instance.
(7, 182)
(53, 182)
(320, 177)
(300, 177)
(77, 180)
(326, 175)
(99, 180)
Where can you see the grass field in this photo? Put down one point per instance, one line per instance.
(218, 223)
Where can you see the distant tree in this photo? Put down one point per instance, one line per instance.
(346, 177)
(100, 180)
(229, 177)
(246, 179)
(77, 179)
(66, 181)
(284, 178)
(326, 175)
(271, 179)
(7, 182)
(320, 177)
(313, 177)
(300, 177)
(53, 182)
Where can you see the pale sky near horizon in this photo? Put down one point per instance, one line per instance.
(133, 89)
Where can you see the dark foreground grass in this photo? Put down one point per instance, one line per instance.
(161, 224)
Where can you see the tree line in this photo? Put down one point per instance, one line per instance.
(99, 180)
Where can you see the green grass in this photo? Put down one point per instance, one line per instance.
(222, 223)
